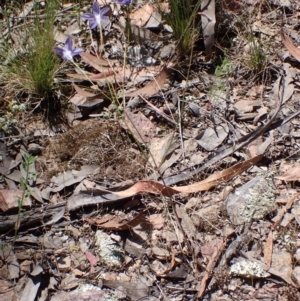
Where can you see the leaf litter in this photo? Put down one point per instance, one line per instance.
(158, 193)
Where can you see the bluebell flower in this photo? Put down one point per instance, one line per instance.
(123, 2)
(67, 53)
(97, 17)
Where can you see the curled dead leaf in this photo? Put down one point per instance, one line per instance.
(211, 181)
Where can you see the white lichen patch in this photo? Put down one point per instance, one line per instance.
(248, 269)
(253, 201)
(84, 287)
(108, 250)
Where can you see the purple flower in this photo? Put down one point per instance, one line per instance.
(97, 17)
(123, 2)
(67, 53)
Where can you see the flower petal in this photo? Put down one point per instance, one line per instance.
(60, 51)
(96, 9)
(124, 2)
(87, 17)
(93, 23)
(77, 51)
(104, 11)
(69, 44)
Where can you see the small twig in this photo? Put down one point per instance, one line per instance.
(180, 130)
(159, 112)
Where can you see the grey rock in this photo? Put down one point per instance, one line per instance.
(169, 108)
(34, 149)
(133, 103)
(253, 201)
(109, 252)
(248, 269)
(167, 51)
(211, 138)
(195, 109)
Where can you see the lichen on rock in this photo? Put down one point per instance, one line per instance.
(108, 250)
(253, 201)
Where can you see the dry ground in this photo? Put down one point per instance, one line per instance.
(186, 189)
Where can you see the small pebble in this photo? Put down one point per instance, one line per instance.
(169, 108)
(34, 149)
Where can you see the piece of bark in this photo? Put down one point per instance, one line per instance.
(30, 217)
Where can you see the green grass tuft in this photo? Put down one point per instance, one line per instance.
(31, 67)
(257, 59)
(181, 18)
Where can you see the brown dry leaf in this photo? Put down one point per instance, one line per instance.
(160, 148)
(211, 181)
(9, 199)
(164, 7)
(294, 51)
(170, 268)
(142, 34)
(292, 174)
(152, 87)
(268, 250)
(253, 147)
(288, 89)
(141, 16)
(132, 76)
(118, 223)
(187, 223)
(213, 251)
(102, 77)
(278, 218)
(221, 176)
(77, 99)
(157, 220)
(140, 126)
(95, 62)
(91, 258)
(245, 106)
(82, 92)
(208, 19)
(12, 267)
